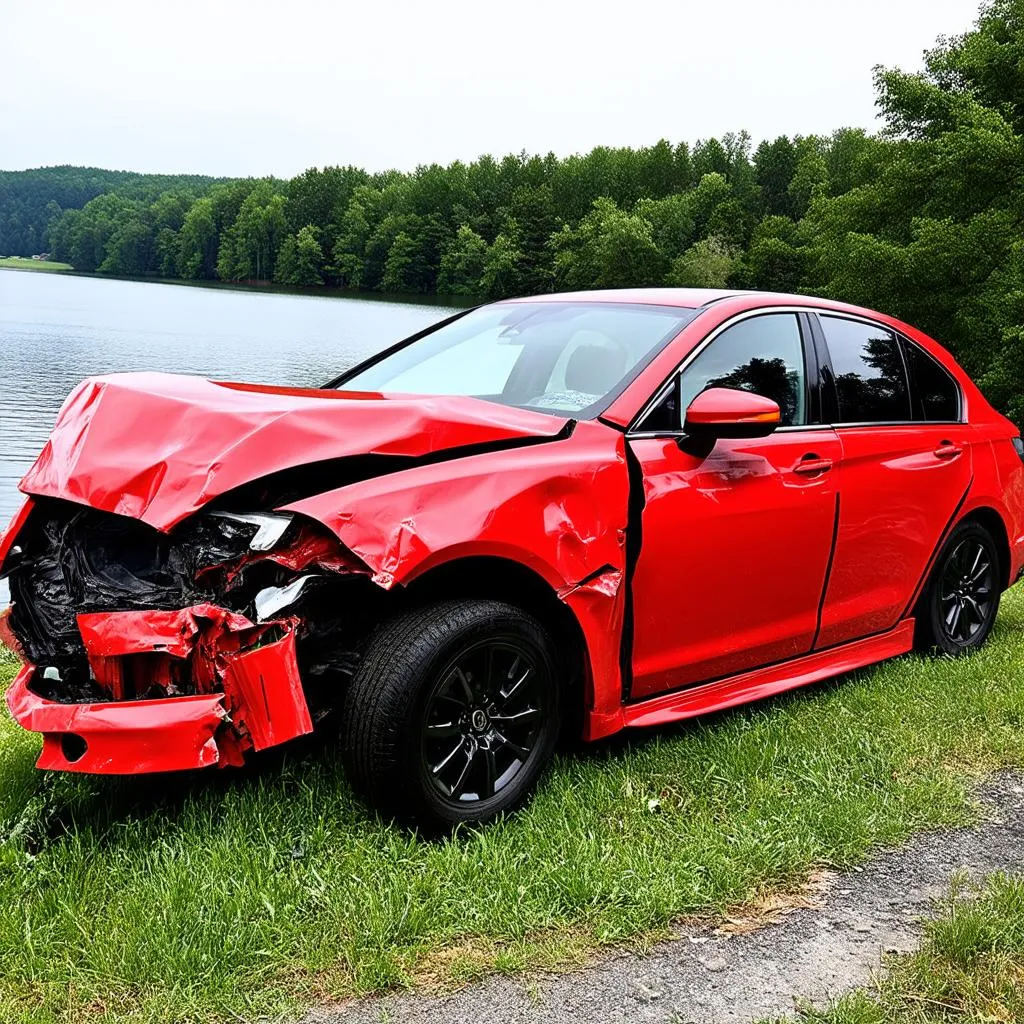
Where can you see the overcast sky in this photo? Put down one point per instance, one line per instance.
(232, 88)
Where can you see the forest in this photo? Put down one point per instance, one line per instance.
(924, 219)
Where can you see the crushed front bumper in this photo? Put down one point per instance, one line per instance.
(121, 738)
(254, 700)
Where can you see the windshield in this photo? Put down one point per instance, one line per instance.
(567, 357)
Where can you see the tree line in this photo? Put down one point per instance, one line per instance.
(923, 220)
(30, 201)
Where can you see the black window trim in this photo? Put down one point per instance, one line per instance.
(812, 364)
(829, 407)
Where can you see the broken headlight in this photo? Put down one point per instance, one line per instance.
(272, 600)
(265, 531)
(270, 527)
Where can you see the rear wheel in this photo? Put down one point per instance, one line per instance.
(453, 713)
(959, 607)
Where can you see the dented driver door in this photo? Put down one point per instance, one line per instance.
(736, 540)
(735, 549)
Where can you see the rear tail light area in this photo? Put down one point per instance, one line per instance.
(1018, 447)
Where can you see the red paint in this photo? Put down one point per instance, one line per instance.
(897, 499)
(114, 634)
(313, 548)
(264, 692)
(136, 736)
(733, 546)
(559, 509)
(167, 649)
(766, 682)
(999, 485)
(182, 441)
(724, 407)
(257, 691)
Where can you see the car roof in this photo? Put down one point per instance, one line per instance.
(700, 298)
(691, 298)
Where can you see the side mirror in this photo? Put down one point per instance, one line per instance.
(727, 412)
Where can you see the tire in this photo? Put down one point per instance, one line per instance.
(453, 714)
(959, 606)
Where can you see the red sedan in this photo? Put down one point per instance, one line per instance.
(579, 512)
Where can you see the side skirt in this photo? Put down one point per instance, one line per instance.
(762, 682)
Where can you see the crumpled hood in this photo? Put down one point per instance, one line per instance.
(158, 446)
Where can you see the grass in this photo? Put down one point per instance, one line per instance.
(970, 966)
(221, 896)
(20, 263)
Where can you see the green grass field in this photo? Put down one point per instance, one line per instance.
(20, 263)
(222, 896)
(970, 966)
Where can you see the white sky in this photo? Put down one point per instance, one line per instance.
(237, 88)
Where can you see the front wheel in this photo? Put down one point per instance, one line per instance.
(453, 714)
(958, 609)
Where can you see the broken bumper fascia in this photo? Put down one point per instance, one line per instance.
(261, 703)
(122, 738)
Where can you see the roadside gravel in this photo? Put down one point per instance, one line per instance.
(727, 976)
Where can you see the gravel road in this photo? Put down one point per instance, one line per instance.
(702, 977)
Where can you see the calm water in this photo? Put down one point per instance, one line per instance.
(55, 330)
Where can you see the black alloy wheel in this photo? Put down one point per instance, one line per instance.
(453, 713)
(968, 590)
(482, 720)
(961, 602)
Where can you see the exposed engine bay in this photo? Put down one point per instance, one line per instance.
(109, 609)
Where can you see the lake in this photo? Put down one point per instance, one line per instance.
(56, 329)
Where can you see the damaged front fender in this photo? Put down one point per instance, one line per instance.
(561, 509)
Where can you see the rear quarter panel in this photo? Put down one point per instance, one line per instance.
(999, 484)
(998, 470)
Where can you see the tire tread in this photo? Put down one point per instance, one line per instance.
(378, 710)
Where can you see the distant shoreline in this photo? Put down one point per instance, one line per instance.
(316, 291)
(26, 263)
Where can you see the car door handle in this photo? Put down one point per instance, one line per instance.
(948, 450)
(812, 465)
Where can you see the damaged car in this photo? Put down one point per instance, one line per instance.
(570, 514)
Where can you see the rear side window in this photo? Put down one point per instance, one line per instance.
(936, 394)
(871, 381)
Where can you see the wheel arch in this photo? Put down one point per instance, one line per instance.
(500, 578)
(993, 522)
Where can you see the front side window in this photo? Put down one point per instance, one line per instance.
(871, 382)
(936, 395)
(564, 357)
(764, 355)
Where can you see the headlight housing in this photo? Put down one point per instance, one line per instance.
(270, 527)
